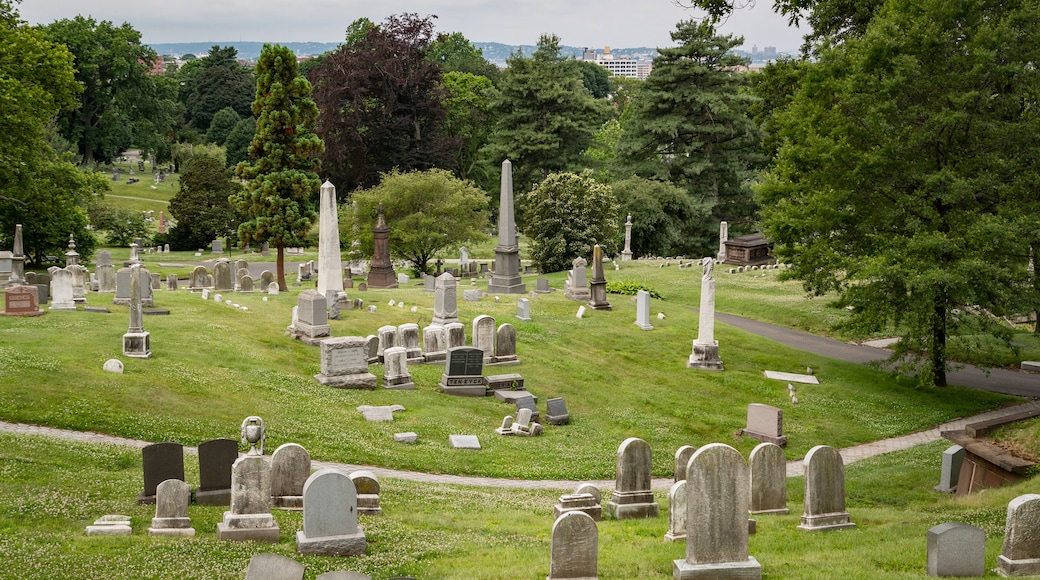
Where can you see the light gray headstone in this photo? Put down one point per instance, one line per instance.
(952, 459)
(387, 338)
(171, 281)
(523, 309)
(172, 498)
(682, 459)
(505, 343)
(395, 369)
(768, 467)
(1020, 555)
(956, 549)
(290, 468)
(464, 441)
(676, 512)
(456, 332)
(222, 278)
(824, 490)
(273, 567)
(590, 489)
(541, 286)
(313, 308)
(251, 486)
(643, 310)
(61, 290)
(484, 335)
(329, 504)
(575, 547)
(266, 278)
(632, 497)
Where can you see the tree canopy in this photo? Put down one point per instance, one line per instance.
(907, 176)
(214, 82)
(201, 205)
(455, 53)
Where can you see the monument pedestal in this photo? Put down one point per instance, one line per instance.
(355, 381)
(1008, 568)
(137, 344)
(632, 505)
(681, 569)
(345, 545)
(382, 277)
(506, 279)
(825, 522)
(243, 527)
(598, 295)
(705, 357)
(177, 527)
(472, 386)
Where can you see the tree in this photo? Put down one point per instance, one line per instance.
(279, 197)
(662, 216)
(120, 104)
(202, 204)
(221, 126)
(907, 178)
(565, 215)
(469, 118)
(595, 78)
(455, 53)
(122, 226)
(215, 82)
(428, 211)
(381, 103)
(689, 125)
(238, 140)
(545, 118)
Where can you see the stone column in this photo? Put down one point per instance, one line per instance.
(71, 256)
(706, 349)
(17, 258)
(598, 283)
(723, 236)
(506, 279)
(381, 274)
(136, 341)
(330, 265)
(626, 254)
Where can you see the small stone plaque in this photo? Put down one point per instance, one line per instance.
(464, 441)
(791, 377)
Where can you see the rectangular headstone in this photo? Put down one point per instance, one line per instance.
(161, 461)
(464, 441)
(556, 412)
(791, 377)
(463, 372)
(952, 459)
(765, 423)
(216, 457)
(956, 549)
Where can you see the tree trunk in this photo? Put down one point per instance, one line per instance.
(938, 351)
(280, 269)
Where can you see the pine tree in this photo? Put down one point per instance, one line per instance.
(279, 198)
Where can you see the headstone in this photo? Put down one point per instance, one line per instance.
(791, 377)
(250, 515)
(265, 249)
(523, 309)
(484, 336)
(445, 300)
(216, 457)
(222, 278)
(395, 369)
(408, 337)
(506, 279)
(344, 363)
(824, 491)
(456, 332)
(145, 278)
(407, 437)
(768, 467)
(22, 301)
(556, 412)
(273, 289)
(471, 295)
(676, 512)
(581, 312)
(106, 275)
(463, 372)
(632, 498)
(527, 403)
(626, 254)
(765, 423)
(952, 459)
(171, 282)
(464, 442)
(367, 486)
(160, 461)
(110, 525)
(273, 567)
(705, 354)
(240, 265)
(435, 344)
(598, 283)
(372, 348)
(717, 498)
(577, 287)
(377, 414)
(682, 459)
(137, 341)
(171, 510)
(290, 468)
(266, 278)
(387, 339)
(403, 279)
(505, 346)
(381, 272)
(1020, 555)
(312, 323)
(956, 549)
(643, 310)
(575, 547)
(217, 247)
(197, 280)
(585, 499)
(723, 238)
(61, 290)
(113, 365)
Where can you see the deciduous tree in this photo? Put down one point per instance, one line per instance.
(215, 82)
(202, 204)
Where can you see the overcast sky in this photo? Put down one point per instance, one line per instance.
(617, 23)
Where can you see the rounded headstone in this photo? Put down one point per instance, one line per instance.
(113, 365)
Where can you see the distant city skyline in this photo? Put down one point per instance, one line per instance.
(615, 23)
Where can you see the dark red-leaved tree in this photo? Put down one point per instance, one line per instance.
(381, 105)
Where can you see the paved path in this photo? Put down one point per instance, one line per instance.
(849, 454)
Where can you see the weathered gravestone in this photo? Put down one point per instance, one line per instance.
(312, 317)
(556, 412)
(160, 461)
(408, 338)
(344, 363)
(765, 423)
(824, 491)
(223, 281)
(768, 467)
(464, 442)
(575, 547)
(171, 510)
(682, 459)
(505, 346)
(367, 486)
(274, 567)
(137, 341)
(198, 279)
(290, 468)
(241, 269)
(106, 272)
(632, 498)
(676, 512)
(266, 279)
(456, 332)
(523, 309)
(705, 353)
(330, 516)
(643, 310)
(577, 286)
(61, 290)
(598, 283)
(529, 403)
(216, 457)
(22, 301)
(395, 369)
(463, 372)
(484, 336)
(717, 499)
(435, 344)
(541, 286)
(110, 525)
(217, 247)
(956, 549)
(586, 498)
(245, 283)
(250, 515)
(952, 459)
(506, 279)
(1020, 555)
(171, 281)
(387, 339)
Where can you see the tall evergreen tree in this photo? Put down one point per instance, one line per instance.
(279, 197)
(546, 117)
(689, 125)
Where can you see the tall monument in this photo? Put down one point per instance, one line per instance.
(706, 349)
(381, 274)
(137, 341)
(626, 254)
(330, 266)
(723, 237)
(598, 283)
(506, 279)
(17, 258)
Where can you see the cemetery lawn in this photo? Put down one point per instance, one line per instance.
(213, 365)
(52, 489)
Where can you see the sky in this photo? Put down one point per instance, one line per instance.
(584, 23)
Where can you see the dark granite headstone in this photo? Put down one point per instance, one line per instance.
(463, 372)
(161, 461)
(528, 402)
(216, 457)
(556, 412)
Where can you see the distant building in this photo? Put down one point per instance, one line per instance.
(619, 66)
(769, 51)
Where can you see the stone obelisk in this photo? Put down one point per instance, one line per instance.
(598, 283)
(626, 254)
(506, 279)
(137, 341)
(723, 237)
(381, 274)
(330, 266)
(706, 349)
(17, 258)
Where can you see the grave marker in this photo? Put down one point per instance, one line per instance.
(344, 363)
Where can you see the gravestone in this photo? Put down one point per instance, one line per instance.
(523, 309)
(717, 498)
(111, 525)
(273, 289)
(171, 510)
(471, 295)
(381, 271)
(676, 512)
(626, 254)
(768, 467)
(765, 423)
(705, 354)
(682, 459)
(106, 275)
(61, 290)
(290, 468)
(372, 348)
(216, 457)
(598, 283)
(464, 442)
(408, 338)
(197, 280)
(330, 264)
(541, 286)
(217, 247)
(241, 269)
(344, 363)
(80, 281)
(484, 336)
(643, 310)
(506, 278)
(223, 281)
(387, 339)
(395, 369)
(22, 301)
(575, 547)
(632, 498)
(171, 282)
(274, 567)
(265, 249)
(312, 323)
(577, 286)
(266, 279)
(122, 296)
(952, 459)
(250, 515)
(429, 284)
(956, 549)
(505, 346)
(245, 284)
(456, 332)
(529, 403)
(556, 412)
(1020, 555)
(586, 498)
(824, 491)
(510, 381)
(367, 487)
(463, 372)
(145, 279)
(137, 341)
(160, 461)
(435, 344)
